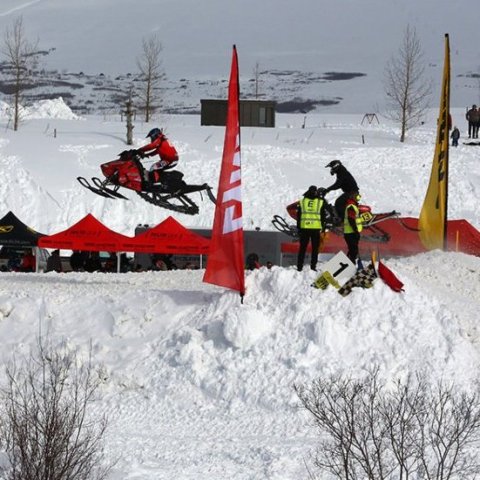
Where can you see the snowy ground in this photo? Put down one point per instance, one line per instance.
(197, 385)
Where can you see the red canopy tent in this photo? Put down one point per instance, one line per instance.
(461, 236)
(92, 235)
(88, 234)
(168, 236)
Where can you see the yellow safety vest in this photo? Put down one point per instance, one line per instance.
(310, 213)
(347, 228)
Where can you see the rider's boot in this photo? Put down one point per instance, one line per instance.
(332, 216)
(156, 181)
(154, 176)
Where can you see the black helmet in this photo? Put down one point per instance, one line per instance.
(312, 191)
(334, 165)
(154, 133)
(321, 192)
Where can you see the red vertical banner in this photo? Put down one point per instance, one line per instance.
(225, 264)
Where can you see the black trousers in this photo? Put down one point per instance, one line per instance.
(352, 240)
(307, 235)
(472, 130)
(340, 204)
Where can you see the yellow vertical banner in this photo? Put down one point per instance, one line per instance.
(433, 216)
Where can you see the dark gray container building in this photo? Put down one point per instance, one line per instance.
(253, 113)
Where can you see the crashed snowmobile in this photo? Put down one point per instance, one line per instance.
(171, 192)
(371, 231)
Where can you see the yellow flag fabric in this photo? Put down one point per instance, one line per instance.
(433, 216)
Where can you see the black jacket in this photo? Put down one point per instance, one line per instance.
(455, 134)
(345, 181)
(54, 262)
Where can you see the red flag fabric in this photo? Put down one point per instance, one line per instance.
(225, 264)
(389, 277)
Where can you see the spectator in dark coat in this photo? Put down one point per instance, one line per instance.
(92, 263)
(473, 119)
(13, 264)
(125, 265)
(252, 261)
(77, 260)
(455, 135)
(54, 262)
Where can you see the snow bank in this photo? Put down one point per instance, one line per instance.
(43, 109)
(56, 108)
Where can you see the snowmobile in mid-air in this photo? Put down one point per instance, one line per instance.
(371, 231)
(128, 172)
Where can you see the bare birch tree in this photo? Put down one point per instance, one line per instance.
(449, 434)
(46, 427)
(414, 429)
(399, 409)
(21, 58)
(405, 84)
(256, 79)
(354, 438)
(149, 64)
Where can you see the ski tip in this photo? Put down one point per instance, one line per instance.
(211, 196)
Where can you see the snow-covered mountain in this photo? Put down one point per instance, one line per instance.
(296, 45)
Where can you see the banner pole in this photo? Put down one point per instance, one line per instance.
(447, 104)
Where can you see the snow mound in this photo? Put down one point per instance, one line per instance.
(43, 109)
(55, 108)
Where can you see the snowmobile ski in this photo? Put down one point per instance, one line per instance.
(111, 191)
(282, 226)
(210, 195)
(84, 182)
(184, 205)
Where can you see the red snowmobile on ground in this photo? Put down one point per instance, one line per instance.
(371, 231)
(128, 172)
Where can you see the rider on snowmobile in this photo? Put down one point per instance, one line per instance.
(345, 182)
(160, 145)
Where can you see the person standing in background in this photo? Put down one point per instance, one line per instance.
(473, 119)
(310, 220)
(28, 261)
(455, 135)
(54, 262)
(352, 225)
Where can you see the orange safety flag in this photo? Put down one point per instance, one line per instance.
(225, 263)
